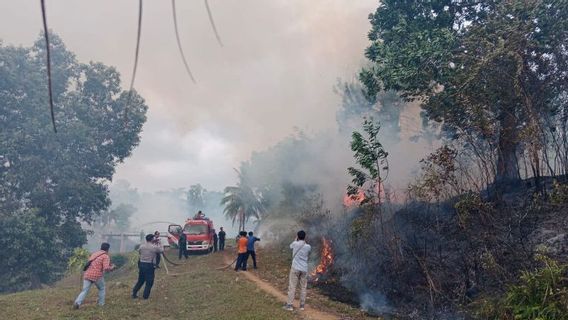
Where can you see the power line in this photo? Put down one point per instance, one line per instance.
(49, 87)
(213, 23)
(135, 60)
(179, 42)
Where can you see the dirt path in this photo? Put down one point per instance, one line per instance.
(308, 313)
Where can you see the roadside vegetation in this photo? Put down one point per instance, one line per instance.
(199, 292)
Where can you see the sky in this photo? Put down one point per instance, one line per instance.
(273, 76)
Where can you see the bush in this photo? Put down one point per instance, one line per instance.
(78, 260)
(559, 194)
(541, 295)
(119, 260)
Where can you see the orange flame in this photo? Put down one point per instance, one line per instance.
(326, 260)
(354, 200)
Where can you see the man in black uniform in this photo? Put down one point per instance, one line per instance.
(182, 244)
(222, 235)
(215, 241)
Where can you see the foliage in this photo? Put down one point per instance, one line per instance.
(541, 295)
(559, 195)
(78, 260)
(32, 253)
(119, 260)
(117, 218)
(470, 204)
(59, 180)
(492, 72)
(133, 258)
(372, 157)
(242, 203)
(386, 108)
(195, 197)
(437, 180)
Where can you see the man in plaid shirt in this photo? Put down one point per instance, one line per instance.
(100, 263)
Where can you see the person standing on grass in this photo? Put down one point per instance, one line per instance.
(158, 243)
(242, 242)
(299, 270)
(98, 264)
(148, 253)
(182, 244)
(250, 247)
(222, 235)
(215, 241)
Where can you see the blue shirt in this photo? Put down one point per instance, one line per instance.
(251, 241)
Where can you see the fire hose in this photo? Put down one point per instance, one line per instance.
(173, 263)
(227, 266)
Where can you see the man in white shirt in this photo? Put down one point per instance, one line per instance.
(299, 271)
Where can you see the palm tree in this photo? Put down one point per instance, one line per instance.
(241, 203)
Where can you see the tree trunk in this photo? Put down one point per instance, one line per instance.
(507, 162)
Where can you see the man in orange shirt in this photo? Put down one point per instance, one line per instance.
(99, 263)
(242, 242)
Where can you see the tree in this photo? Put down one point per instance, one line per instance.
(371, 156)
(118, 217)
(56, 181)
(386, 107)
(241, 203)
(489, 71)
(195, 197)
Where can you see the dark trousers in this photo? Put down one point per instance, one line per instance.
(215, 246)
(221, 244)
(145, 275)
(182, 251)
(241, 262)
(158, 259)
(252, 253)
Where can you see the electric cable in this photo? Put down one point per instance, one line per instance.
(213, 23)
(48, 52)
(179, 42)
(135, 61)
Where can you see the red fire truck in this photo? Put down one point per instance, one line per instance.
(199, 233)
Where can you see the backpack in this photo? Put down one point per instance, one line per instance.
(88, 264)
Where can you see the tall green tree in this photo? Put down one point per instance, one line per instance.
(492, 71)
(241, 203)
(56, 181)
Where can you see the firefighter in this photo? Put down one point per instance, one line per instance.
(200, 215)
(222, 235)
(250, 247)
(182, 244)
(146, 266)
(215, 241)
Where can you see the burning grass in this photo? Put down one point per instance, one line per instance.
(326, 294)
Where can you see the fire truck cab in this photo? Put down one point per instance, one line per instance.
(199, 233)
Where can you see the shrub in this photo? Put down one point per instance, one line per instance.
(78, 260)
(119, 260)
(540, 295)
(559, 194)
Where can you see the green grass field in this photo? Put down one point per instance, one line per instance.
(201, 292)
